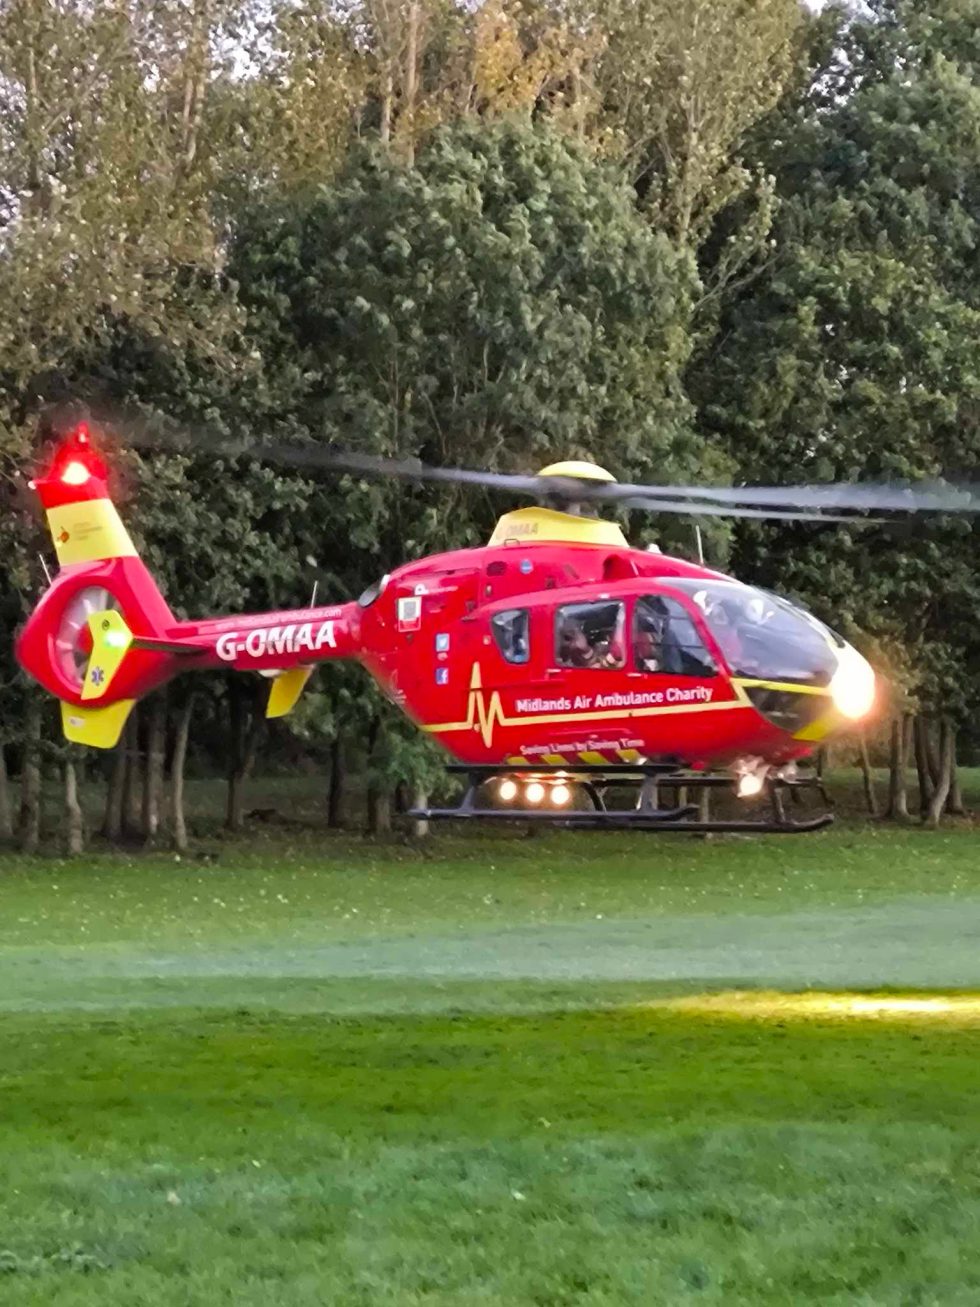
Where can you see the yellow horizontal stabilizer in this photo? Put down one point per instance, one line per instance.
(285, 691)
(111, 638)
(99, 728)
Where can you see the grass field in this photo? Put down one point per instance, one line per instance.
(302, 1069)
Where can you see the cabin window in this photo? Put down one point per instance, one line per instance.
(665, 639)
(372, 592)
(590, 635)
(510, 630)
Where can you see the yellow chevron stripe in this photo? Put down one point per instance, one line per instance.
(630, 755)
(592, 756)
(791, 686)
(819, 729)
(556, 759)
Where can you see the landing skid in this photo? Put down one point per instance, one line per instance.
(593, 783)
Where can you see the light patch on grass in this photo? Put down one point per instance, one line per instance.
(950, 1009)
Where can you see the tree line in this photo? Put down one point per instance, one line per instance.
(716, 239)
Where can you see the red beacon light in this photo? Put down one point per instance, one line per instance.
(76, 471)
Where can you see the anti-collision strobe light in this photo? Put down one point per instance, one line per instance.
(75, 473)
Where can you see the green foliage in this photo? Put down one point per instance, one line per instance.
(500, 302)
(854, 352)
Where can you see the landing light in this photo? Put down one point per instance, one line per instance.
(852, 687)
(560, 795)
(507, 791)
(534, 792)
(750, 784)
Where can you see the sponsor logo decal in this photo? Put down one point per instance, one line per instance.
(673, 694)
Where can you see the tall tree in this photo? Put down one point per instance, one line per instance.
(496, 305)
(854, 355)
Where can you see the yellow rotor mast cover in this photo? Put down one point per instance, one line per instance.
(533, 525)
(575, 468)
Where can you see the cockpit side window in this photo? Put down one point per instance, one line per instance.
(665, 639)
(590, 635)
(511, 633)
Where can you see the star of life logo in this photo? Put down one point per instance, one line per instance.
(299, 637)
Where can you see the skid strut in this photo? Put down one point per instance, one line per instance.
(646, 779)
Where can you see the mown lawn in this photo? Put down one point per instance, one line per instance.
(494, 1071)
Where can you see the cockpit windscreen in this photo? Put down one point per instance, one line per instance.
(761, 636)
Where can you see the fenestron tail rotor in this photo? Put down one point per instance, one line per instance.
(73, 640)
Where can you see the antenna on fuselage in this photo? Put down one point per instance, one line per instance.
(697, 539)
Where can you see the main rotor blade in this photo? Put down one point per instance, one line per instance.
(857, 497)
(333, 460)
(796, 502)
(693, 509)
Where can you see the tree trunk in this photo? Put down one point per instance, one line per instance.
(867, 777)
(196, 71)
(379, 793)
(132, 806)
(181, 738)
(156, 739)
(378, 810)
(29, 823)
(945, 767)
(954, 803)
(933, 758)
(898, 803)
(822, 766)
(112, 820)
(74, 826)
(411, 80)
(246, 730)
(704, 809)
(920, 729)
(420, 799)
(337, 792)
(6, 817)
(387, 96)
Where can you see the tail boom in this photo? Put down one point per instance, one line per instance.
(103, 636)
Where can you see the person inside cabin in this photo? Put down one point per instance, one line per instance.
(574, 646)
(647, 650)
(591, 636)
(665, 640)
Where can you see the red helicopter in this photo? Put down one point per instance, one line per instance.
(556, 665)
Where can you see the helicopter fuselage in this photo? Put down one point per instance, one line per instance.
(556, 643)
